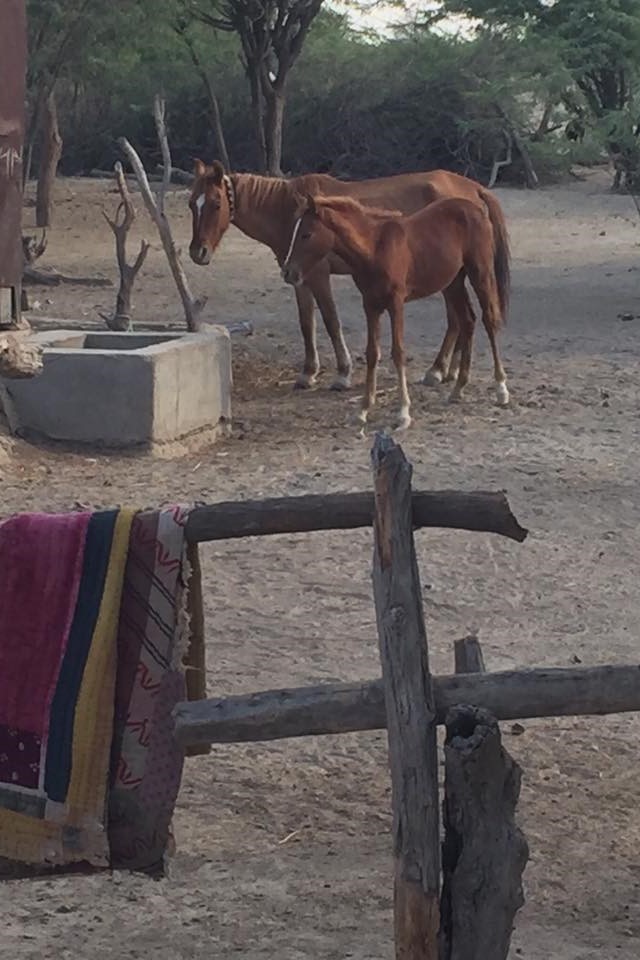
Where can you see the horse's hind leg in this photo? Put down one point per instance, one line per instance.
(320, 284)
(438, 372)
(466, 320)
(454, 365)
(306, 316)
(484, 284)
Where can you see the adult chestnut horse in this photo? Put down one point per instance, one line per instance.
(264, 209)
(394, 259)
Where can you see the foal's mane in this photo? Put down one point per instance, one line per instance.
(347, 217)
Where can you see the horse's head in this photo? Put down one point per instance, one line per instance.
(211, 205)
(311, 241)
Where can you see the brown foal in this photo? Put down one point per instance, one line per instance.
(264, 209)
(396, 259)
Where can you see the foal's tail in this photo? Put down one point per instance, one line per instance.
(501, 252)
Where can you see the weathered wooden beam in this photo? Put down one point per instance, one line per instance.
(484, 852)
(348, 707)
(410, 709)
(195, 657)
(468, 655)
(450, 509)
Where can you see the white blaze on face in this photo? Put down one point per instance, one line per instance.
(292, 244)
(199, 205)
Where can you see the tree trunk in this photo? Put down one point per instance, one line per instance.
(273, 132)
(51, 147)
(545, 119)
(217, 123)
(257, 108)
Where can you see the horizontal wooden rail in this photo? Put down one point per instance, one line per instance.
(347, 707)
(450, 509)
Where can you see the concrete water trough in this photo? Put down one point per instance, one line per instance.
(124, 389)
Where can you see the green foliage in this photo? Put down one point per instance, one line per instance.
(359, 106)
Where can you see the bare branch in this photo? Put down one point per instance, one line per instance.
(161, 129)
(120, 225)
(192, 307)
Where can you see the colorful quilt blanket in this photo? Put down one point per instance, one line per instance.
(93, 631)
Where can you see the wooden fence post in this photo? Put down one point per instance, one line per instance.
(411, 721)
(468, 655)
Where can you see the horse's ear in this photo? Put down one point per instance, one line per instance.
(310, 201)
(301, 204)
(199, 168)
(217, 171)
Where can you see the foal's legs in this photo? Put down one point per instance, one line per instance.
(373, 358)
(396, 313)
(320, 284)
(306, 316)
(483, 282)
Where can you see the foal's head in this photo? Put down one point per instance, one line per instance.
(311, 241)
(211, 204)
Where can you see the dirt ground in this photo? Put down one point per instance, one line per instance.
(283, 850)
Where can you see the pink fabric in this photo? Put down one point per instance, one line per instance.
(38, 592)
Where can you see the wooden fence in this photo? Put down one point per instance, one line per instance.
(458, 901)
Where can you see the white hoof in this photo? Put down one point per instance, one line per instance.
(432, 378)
(402, 424)
(502, 394)
(304, 381)
(342, 382)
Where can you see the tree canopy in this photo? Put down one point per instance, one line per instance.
(529, 72)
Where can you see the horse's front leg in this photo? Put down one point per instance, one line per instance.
(320, 283)
(396, 313)
(306, 316)
(373, 358)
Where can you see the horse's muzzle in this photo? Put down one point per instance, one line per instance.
(291, 275)
(200, 254)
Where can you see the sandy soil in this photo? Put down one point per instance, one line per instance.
(294, 610)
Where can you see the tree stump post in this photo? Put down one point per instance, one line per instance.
(468, 655)
(484, 852)
(413, 752)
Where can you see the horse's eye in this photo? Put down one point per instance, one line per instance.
(305, 236)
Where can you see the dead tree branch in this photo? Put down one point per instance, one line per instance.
(155, 207)
(121, 224)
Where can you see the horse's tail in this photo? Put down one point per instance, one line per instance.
(501, 252)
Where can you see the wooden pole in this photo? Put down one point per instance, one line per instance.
(410, 708)
(347, 707)
(484, 852)
(477, 511)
